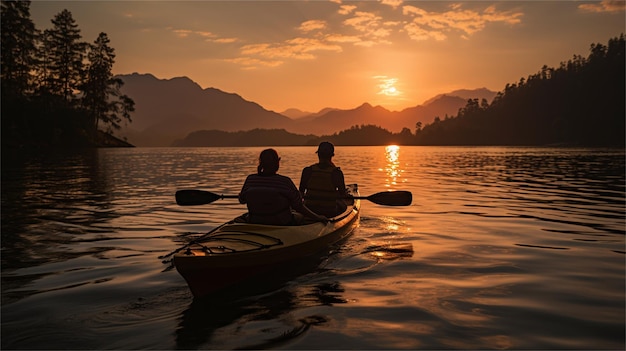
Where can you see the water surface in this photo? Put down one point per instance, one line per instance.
(519, 248)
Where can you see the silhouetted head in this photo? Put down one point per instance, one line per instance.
(326, 149)
(268, 162)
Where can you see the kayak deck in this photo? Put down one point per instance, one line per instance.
(237, 241)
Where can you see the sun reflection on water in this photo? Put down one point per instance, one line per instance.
(392, 166)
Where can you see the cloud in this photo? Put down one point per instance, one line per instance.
(225, 40)
(432, 25)
(182, 33)
(312, 25)
(369, 24)
(417, 33)
(364, 21)
(368, 29)
(208, 36)
(604, 6)
(297, 48)
(205, 34)
(249, 63)
(392, 3)
(340, 38)
(346, 9)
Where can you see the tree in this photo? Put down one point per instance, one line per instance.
(418, 127)
(43, 74)
(65, 70)
(102, 99)
(18, 57)
(18, 49)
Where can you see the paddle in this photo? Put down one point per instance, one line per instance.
(191, 197)
(390, 198)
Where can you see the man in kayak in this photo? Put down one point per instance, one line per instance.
(270, 196)
(322, 184)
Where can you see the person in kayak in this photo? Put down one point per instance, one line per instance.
(270, 197)
(322, 184)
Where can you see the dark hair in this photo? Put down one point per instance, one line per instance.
(268, 162)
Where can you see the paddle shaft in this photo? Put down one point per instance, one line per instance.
(345, 197)
(201, 197)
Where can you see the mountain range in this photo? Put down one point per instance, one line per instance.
(170, 109)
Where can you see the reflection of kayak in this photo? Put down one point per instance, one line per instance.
(237, 251)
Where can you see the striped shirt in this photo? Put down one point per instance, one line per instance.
(271, 185)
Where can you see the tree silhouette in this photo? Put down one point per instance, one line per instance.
(56, 89)
(18, 56)
(18, 49)
(102, 98)
(66, 57)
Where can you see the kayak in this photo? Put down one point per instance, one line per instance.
(237, 251)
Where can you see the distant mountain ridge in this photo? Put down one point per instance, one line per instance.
(295, 113)
(169, 109)
(481, 93)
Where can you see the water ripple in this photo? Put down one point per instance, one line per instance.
(506, 248)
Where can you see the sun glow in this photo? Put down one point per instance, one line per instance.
(387, 86)
(390, 91)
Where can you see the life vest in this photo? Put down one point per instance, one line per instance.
(321, 192)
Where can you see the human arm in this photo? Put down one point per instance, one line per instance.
(242, 196)
(304, 179)
(339, 182)
(309, 213)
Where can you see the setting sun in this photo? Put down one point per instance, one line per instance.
(387, 86)
(390, 91)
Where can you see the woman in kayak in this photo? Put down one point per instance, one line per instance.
(323, 183)
(270, 197)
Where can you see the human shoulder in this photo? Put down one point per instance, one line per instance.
(250, 176)
(324, 166)
(283, 179)
(307, 171)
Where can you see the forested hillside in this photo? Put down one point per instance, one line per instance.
(582, 102)
(56, 89)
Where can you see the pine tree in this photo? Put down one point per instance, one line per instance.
(18, 54)
(102, 99)
(65, 69)
(18, 50)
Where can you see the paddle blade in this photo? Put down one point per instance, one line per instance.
(195, 197)
(392, 198)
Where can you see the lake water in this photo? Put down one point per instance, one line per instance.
(503, 248)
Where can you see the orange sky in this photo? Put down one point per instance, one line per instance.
(315, 54)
